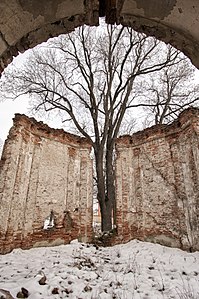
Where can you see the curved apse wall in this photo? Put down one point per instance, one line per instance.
(45, 176)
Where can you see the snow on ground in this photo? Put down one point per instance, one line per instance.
(136, 270)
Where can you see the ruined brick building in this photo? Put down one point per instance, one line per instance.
(145, 211)
(46, 177)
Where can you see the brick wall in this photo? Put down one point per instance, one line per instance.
(157, 182)
(44, 172)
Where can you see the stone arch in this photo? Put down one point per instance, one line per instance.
(172, 21)
(25, 24)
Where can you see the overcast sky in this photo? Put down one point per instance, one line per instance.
(8, 108)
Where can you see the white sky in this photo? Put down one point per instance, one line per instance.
(7, 111)
(9, 107)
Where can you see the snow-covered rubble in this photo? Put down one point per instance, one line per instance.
(136, 270)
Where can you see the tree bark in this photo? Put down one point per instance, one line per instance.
(105, 187)
(110, 178)
(106, 215)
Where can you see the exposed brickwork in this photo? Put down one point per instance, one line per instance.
(157, 177)
(44, 170)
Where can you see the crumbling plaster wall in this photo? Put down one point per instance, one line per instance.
(172, 21)
(157, 177)
(44, 171)
(24, 24)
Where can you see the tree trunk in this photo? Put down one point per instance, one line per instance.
(106, 216)
(110, 178)
(104, 201)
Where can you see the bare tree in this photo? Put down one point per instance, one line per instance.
(170, 91)
(91, 75)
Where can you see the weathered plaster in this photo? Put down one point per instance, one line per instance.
(177, 24)
(44, 171)
(154, 9)
(157, 179)
(49, 8)
(24, 24)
